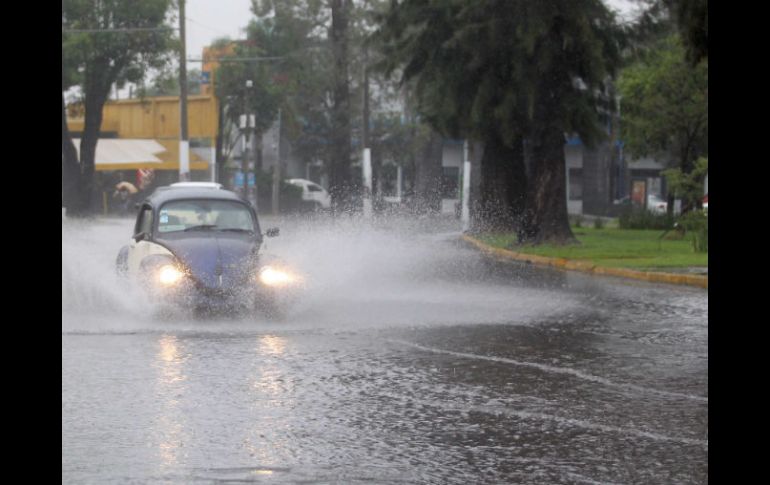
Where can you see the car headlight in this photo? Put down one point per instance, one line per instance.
(273, 276)
(169, 275)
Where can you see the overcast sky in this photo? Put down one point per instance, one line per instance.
(208, 20)
(211, 19)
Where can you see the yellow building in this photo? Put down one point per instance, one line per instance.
(153, 119)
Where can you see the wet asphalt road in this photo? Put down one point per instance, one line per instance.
(409, 359)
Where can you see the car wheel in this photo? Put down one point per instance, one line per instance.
(121, 264)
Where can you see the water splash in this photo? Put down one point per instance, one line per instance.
(389, 272)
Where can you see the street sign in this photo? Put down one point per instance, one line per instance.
(238, 181)
(252, 122)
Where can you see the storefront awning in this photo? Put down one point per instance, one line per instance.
(134, 154)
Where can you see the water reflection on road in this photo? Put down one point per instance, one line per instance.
(410, 359)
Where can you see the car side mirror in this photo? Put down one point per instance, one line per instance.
(139, 237)
(272, 232)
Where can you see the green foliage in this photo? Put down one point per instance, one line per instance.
(505, 71)
(598, 223)
(693, 24)
(301, 83)
(688, 186)
(166, 83)
(696, 225)
(265, 96)
(665, 105)
(645, 219)
(638, 249)
(476, 73)
(99, 50)
(577, 220)
(96, 60)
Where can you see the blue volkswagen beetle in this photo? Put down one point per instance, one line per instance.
(198, 248)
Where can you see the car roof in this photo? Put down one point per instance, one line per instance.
(202, 185)
(166, 194)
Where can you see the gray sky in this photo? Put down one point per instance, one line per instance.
(210, 19)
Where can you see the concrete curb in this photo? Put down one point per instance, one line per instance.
(586, 267)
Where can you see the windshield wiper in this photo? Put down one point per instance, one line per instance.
(202, 226)
(236, 229)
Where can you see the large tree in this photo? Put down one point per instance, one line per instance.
(570, 56)
(665, 106)
(104, 43)
(511, 74)
(340, 180)
(325, 71)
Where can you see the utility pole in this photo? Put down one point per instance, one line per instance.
(367, 153)
(245, 154)
(367, 175)
(184, 144)
(277, 170)
(365, 128)
(466, 193)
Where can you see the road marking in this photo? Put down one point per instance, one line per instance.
(556, 370)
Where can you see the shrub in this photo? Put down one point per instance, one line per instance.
(577, 220)
(644, 219)
(696, 224)
(598, 223)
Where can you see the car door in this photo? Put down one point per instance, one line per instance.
(138, 250)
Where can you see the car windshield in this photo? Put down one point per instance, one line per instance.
(204, 215)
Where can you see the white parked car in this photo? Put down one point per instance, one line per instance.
(313, 193)
(656, 204)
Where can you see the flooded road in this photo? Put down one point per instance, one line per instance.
(409, 359)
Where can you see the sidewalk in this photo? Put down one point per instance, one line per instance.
(680, 276)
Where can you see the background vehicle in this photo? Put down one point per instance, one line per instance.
(656, 204)
(312, 193)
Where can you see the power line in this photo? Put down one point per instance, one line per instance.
(218, 31)
(117, 30)
(238, 59)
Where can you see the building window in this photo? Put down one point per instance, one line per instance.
(450, 179)
(576, 184)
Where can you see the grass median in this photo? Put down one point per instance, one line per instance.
(642, 250)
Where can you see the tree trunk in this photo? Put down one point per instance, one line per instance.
(258, 152)
(340, 181)
(70, 168)
(376, 178)
(503, 186)
(220, 159)
(427, 176)
(97, 90)
(546, 218)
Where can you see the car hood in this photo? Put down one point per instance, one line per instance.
(216, 260)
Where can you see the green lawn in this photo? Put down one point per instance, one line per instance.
(623, 248)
